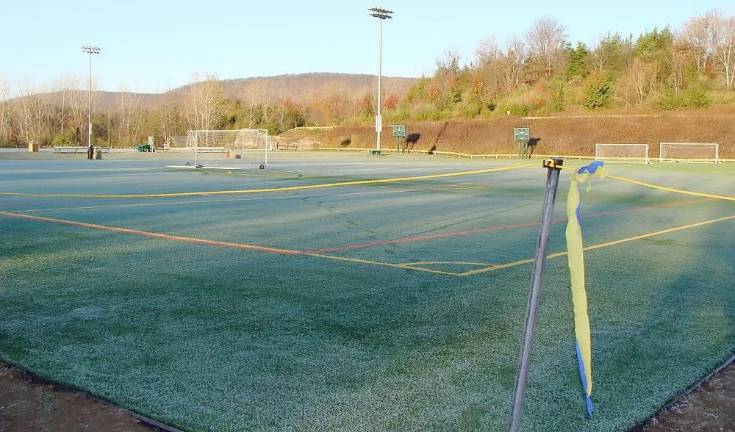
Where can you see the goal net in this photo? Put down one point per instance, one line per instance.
(256, 141)
(689, 152)
(631, 153)
(240, 139)
(177, 143)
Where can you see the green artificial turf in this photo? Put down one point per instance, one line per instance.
(213, 339)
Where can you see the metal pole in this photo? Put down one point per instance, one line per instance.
(379, 120)
(381, 14)
(552, 182)
(89, 108)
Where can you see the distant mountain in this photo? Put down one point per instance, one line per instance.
(308, 86)
(300, 88)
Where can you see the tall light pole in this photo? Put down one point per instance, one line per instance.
(382, 15)
(90, 50)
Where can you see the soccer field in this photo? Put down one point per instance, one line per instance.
(348, 292)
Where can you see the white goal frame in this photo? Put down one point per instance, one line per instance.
(662, 157)
(192, 139)
(643, 158)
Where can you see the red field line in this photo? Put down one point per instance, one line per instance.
(494, 228)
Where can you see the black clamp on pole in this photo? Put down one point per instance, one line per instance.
(553, 165)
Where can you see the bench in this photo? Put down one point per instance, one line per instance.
(78, 149)
(191, 149)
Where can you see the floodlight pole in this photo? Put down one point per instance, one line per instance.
(381, 15)
(90, 50)
(552, 183)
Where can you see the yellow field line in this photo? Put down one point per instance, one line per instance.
(408, 266)
(467, 263)
(668, 189)
(598, 246)
(216, 243)
(277, 189)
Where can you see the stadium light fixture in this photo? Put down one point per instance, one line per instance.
(381, 15)
(90, 50)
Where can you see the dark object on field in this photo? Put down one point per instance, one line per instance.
(412, 139)
(262, 166)
(90, 152)
(144, 148)
(532, 143)
(237, 156)
(345, 142)
(432, 150)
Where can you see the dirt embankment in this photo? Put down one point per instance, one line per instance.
(29, 404)
(558, 135)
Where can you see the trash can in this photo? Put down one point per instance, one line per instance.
(97, 154)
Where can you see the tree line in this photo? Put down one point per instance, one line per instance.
(58, 117)
(537, 73)
(541, 72)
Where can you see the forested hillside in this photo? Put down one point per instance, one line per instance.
(542, 73)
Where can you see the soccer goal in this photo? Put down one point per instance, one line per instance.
(221, 141)
(689, 152)
(631, 153)
(177, 144)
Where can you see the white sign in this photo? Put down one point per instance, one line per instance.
(378, 123)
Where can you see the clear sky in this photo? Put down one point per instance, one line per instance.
(155, 45)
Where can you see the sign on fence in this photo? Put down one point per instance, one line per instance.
(522, 134)
(399, 130)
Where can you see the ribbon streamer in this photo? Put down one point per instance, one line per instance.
(575, 254)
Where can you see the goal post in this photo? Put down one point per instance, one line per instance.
(689, 152)
(221, 141)
(631, 153)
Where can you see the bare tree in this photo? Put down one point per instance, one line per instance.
(643, 78)
(23, 110)
(65, 87)
(514, 63)
(204, 103)
(681, 54)
(724, 43)
(5, 130)
(546, 40)
(77, 101)
(130, 116)
(447, 71)
(712, 39)
(487, 53)
(487, 74)
(41, 115)
(170, 121)
(697, 34)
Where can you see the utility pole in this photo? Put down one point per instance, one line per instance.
(382, 15)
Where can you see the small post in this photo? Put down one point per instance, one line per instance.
(552, 183)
